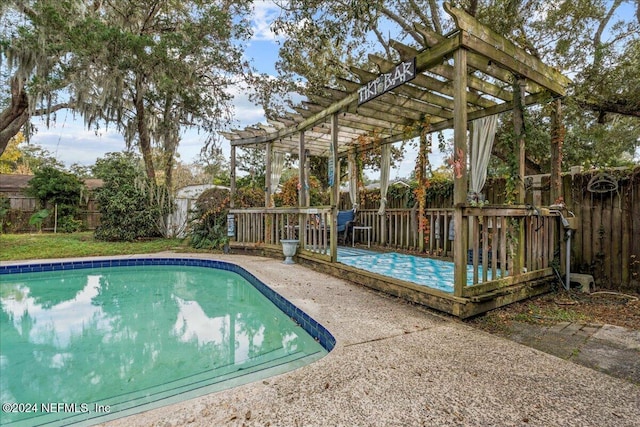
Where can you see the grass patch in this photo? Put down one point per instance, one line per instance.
(17, 247)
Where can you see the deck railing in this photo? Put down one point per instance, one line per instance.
(267, 226)
(504, 242)
(400, 229)
(508, 242)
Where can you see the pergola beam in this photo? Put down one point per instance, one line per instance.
(487, 42)
(448, 72)
(475, 60)
(414, 89)
(443, 87)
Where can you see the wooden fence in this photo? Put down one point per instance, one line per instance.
(22, 208)
(606, 243)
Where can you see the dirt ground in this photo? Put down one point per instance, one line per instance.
(601, 307)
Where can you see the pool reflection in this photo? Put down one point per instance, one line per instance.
(114, 335)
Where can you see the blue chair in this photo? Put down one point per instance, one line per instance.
(346, 220)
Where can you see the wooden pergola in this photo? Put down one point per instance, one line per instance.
(471, 73)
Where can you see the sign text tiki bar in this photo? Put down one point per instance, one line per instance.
(402, 73)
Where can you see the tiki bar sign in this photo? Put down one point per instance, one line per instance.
(402, 73)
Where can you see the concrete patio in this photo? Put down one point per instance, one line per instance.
(396, 364)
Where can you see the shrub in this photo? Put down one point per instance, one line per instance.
(5, 208)
(129, 203)
(38, 218)
(247, 197)
(208, 229)
(53, 187)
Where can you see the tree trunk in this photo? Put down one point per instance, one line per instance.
(170, 157)
(16, 115)
(171, 138)
(144, 139)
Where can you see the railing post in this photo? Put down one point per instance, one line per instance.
(302, 191)
(460, 171)
(335, 189)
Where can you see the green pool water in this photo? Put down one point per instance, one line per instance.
(84, 346)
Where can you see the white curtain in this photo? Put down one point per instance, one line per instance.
(277, 165)
(385, 170)
(484, 131)
(353, 180)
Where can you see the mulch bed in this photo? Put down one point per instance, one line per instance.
(601, 307)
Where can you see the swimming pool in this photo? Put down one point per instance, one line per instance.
(84, 342)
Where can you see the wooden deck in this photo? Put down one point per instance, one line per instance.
(503, 268)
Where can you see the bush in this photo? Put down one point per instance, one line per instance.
(129, 202)
(208, 229)
(38, 218)
(247, 197)
(53, 187)
(5, 208)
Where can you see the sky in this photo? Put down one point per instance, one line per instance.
(68, 140)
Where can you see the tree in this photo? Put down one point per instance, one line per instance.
(251, 161)
(10, 158)
(161, 66)
(602, 54)
(34, 62)
(216, 167)
(25, 159)
(208, 170)
(151, 68)
(584, 39)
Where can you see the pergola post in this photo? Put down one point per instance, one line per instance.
(302, 180)
(519, 131)
(334, 179)
(307, 174)
(557, 141)
(267, 176)
(421, 173)
(460, 171)
(232, 184)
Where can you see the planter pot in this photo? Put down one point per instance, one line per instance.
(289, 248)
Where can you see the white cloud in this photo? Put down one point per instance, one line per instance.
(70, 142)
(264, 13)
(245, 112)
